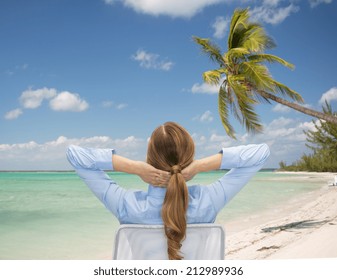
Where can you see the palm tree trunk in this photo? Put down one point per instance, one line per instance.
(302, 109)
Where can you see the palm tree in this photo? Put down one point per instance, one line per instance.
(247, 81)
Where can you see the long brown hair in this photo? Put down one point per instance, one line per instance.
(171, 148)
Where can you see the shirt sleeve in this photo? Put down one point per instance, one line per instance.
(243, 162)
(90, 164)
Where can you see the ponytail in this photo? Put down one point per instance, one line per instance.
(174, 212)
(171, 148)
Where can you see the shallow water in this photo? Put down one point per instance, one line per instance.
(53, 215)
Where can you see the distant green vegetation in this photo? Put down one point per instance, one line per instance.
(323, 143)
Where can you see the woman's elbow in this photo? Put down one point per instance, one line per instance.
(70, 153)
(265, 151)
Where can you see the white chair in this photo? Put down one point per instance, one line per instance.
(148, 242)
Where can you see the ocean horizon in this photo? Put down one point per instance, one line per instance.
(53, 215)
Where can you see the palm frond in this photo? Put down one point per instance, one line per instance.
(223, 103)
(212, 50)
(234, 54)
(238, 22)
(286, 91)
(250, 118)
(244, 105)
(255, 39)
(257, 75)
(212, 77)
(232, 99)
(271, 59)
(247, 34)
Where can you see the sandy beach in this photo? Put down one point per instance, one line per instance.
(304, 227)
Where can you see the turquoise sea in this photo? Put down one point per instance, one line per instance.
(53, 215)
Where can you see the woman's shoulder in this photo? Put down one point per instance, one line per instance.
(196, 190)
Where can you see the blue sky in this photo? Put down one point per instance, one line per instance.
(105, 73)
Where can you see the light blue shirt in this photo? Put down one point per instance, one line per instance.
(144, 207)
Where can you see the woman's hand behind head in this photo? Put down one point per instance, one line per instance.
(152, 175)
(190, 171)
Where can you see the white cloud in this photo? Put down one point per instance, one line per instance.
(208, 145)
(314, 3)
(32, 99)
(284, 136)
(286, 139)
(279, 108)
(205, 88)
(220, 27)
(58, 101)
(152, 61)
(66, 101)
(206, 117)
(329, 96)
(173, 8)
(280, 122)
(51, 155)
(218, 138)
(121, 106)
(199, 140)
(107, 104)
(110, 104)
(14, 114)
(309, 125)
(272, 3)
(166, 65)
(270, 13)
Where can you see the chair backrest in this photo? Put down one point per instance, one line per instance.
(148, 242)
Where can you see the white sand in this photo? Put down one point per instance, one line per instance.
(306, 227)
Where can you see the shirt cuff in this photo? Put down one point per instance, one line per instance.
(230, 157)
(104, 159)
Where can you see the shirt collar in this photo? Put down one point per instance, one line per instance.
(156, 191)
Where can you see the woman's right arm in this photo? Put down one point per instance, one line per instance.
(243, 162)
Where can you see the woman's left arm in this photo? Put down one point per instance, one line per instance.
(90, 164)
